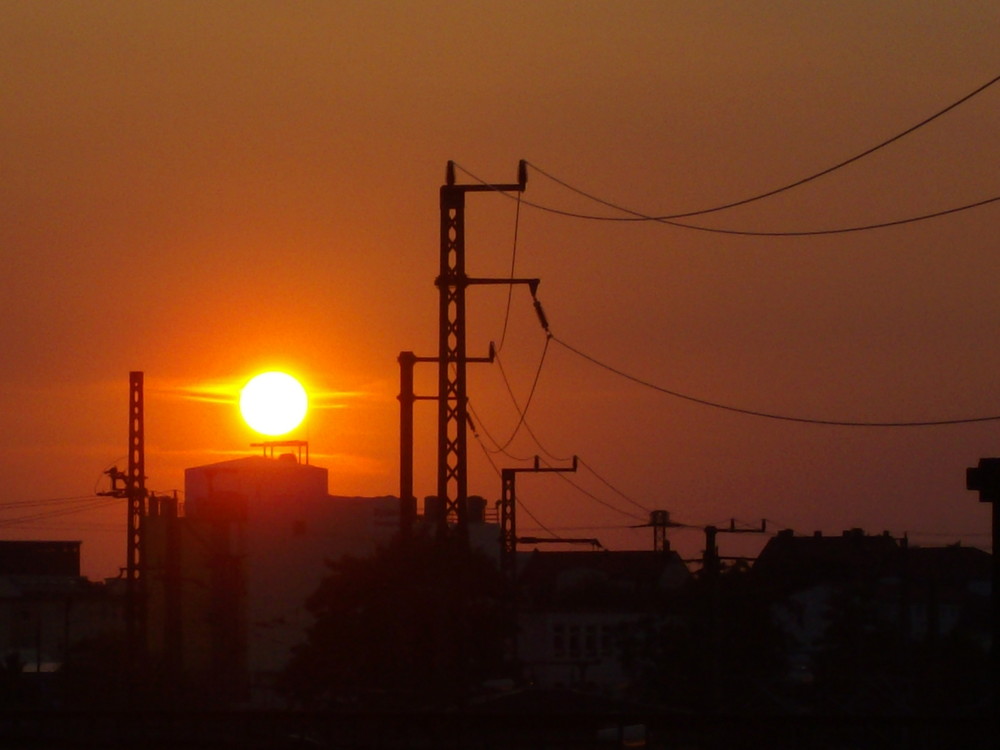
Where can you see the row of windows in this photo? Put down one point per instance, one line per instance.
(583, 641)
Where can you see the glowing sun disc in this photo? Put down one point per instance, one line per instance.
(273, 403)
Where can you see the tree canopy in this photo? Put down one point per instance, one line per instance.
(420, 623)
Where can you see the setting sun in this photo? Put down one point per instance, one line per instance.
(273, 403)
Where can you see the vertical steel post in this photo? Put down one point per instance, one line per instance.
(452, 480)
(407, 501)
(135, 490)
(453, 416)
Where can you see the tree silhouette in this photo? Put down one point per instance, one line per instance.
(418, 624)
(715, 645)
(867, 664)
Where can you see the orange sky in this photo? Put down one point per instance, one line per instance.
(203, 190)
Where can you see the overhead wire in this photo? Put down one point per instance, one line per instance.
(550, 336)
(478, 425)
(489, 456)
(670, 218)
(597, 499)
(796, 183)
(520, 501)
(534, 518)
(610, 486)
(637, 216)
(522, 413)
(513, 263)
(534, 384)
(764, 414)
(45, 501)
(93, 505)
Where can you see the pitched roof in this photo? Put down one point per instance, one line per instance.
(792, 562)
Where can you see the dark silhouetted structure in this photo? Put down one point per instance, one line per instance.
(452, 281)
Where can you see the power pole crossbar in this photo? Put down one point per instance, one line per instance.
(508, 513)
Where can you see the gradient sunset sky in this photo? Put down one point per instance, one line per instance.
(204, 190)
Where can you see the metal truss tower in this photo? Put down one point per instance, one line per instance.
(135, 488)
(133, 491)
(452, 281)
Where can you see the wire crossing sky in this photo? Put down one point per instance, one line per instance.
(790, 186)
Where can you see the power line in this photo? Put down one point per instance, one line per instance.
(637, 216)
(479, 424)
(839, 230)
(611, 487)
(789, 186)
(513, 262)
(523, 421)
(45, 501)
(533, 517)
(783, 188)
(593, 497)
(598, 500)
(670, 218)
(763, 414)
(534, 384)
(519, 501)
(93, 505)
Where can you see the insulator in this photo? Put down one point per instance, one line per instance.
(541, 315)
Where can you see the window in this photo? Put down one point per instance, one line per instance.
(559, 640)
(607, 640)
(574, 641)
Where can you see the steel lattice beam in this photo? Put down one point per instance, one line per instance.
(135, 492)
(452, 281)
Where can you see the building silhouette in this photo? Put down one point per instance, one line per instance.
(229, 574)
(47, 607)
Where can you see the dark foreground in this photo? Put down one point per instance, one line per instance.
(265, 730)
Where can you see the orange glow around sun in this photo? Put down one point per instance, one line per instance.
(273, 403)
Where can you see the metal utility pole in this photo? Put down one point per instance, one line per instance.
(407, 500)
(452, 479)
(135, 487)
(134, 492)
(508, 518)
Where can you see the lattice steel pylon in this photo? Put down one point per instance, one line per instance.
(135, 488)
(453, 416)
(134, 493)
